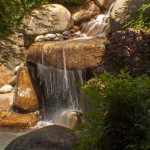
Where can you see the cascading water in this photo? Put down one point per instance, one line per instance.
(62, 97)
(99, 26)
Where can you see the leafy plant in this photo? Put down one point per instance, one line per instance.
(11, 14)
(70, 2)
(141, 20)
(119, 118)
(128, 48)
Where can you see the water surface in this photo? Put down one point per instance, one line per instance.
(7, 135)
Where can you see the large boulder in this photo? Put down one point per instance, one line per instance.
(13, 119)
(104, 3)
(48, 138)
(25, 97)
(51, 18)
(76, 54)
(122, 12)
(85, 12)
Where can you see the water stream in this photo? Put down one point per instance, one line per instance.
(62, 97)
(61, 100)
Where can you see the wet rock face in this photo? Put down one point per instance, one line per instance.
(51, 18)
(122, 13)
(104, 3)
(77, 54)
(25, 97)
(14, 119)
(86, 12)
(48, 138)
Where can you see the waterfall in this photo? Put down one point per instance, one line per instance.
(98, 27)
(62, 97)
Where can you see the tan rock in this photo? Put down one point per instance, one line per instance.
(25, 97)
(6, 89)
(51, 18)
(78, 54)
(104, 3)
(15, 119)
(86, 12)
(6, 101)
(122, 12)
(6, 75)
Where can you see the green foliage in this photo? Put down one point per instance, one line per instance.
(119, 119)
(141, 20)
(11, 14)
(70, 2)
(128, 48)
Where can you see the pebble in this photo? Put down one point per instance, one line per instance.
(6, 89)
(49, 37)
(66, 33)
(39, 38)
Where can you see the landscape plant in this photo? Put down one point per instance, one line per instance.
(128, 49)
(11, 14)
(141, 20)
(120, 113)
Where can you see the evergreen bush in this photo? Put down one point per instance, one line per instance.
(119, 119)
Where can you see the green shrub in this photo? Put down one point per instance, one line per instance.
(11, 14)
(128, 48)
(141, 20)
(119, 119)
(78, 2)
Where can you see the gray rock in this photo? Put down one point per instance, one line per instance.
(66, 33)
(39, 38)
(48, 138)
(51, 18)
(49, 37)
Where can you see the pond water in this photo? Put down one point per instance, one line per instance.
(7, 135)
(6, 138)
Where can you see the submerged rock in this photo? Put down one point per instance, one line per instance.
(70, 119)
(51, 18)
(76, 54)
(25, 97)
(48, 138)
(8, 118)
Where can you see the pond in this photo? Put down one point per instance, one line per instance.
(7, 135)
